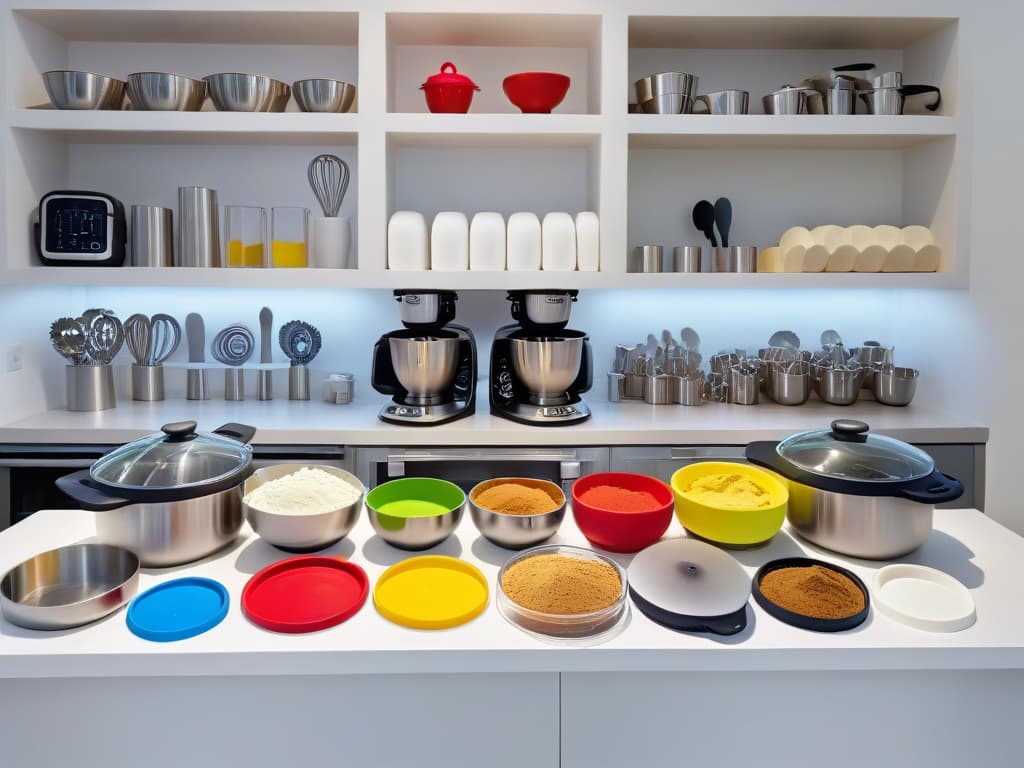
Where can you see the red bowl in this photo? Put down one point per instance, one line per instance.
(449, 97)
(536, 91)
(620, 530)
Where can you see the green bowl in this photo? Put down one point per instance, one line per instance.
(415, 512)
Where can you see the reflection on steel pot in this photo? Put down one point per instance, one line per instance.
(858, 494)
(170, 498)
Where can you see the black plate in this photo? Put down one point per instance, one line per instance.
(729, 624)
(798, 619)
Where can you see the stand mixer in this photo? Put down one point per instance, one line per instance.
(539, 367)
(428, 367)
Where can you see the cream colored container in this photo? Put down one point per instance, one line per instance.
(449, 242)
(870, 259)
(558, 243)
(487, 242)
(523, 242)
(588, 242)
(842, 259)
(900, 259)
(927, 258)
(407, 241)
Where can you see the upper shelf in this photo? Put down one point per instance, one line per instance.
(780, 32)
(465, 280)
(291, 27)
(131, 127)
(787, 132)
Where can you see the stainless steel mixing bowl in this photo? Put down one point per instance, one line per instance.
(547, 365)
(242, 92)
(75, 89)
(302, 532)
(69, 586)
(323, 94)
(424, 365)
(164, 91)
(517, 531)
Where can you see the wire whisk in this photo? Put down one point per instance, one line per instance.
(328, 176)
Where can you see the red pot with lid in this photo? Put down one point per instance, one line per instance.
(448, 90)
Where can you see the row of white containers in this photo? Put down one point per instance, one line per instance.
(560, 243)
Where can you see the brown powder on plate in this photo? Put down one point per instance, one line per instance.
(562, 585)
(515, 499)
(814, 591)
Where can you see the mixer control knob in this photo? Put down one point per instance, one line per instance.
(505, 378)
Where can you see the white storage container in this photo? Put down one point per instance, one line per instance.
(449, 241)
(487, 241)
(523, 242)
(588, 241)
(407, 241)
(331, 242)
(558, 243)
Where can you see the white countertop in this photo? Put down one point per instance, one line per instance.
(979, 552)
(630, 423)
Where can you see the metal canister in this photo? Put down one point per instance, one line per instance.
(198, 228)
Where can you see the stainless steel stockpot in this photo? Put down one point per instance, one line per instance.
(855, 493)
(172, 497)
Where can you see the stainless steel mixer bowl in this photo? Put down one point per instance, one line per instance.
(323, 94)
(548, 308)
(547, 365)
(75, 89)
(165, 91)
(242, 92)
(424, 365)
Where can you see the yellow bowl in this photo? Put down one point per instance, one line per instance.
(731, 526)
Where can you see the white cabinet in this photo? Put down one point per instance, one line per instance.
(641, 173)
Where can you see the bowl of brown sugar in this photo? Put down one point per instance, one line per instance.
(811, 594)
(517, 512)
(563, 593)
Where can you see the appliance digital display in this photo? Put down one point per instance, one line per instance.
(77, 225)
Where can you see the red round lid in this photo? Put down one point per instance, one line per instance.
(449, 75)
(305, 594)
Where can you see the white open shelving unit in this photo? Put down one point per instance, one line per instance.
(641, 173)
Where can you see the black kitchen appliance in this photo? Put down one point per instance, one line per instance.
(539, 368)
(77, 229)
(429, 367)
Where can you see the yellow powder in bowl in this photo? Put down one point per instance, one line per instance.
(561, 585)
(729, 490)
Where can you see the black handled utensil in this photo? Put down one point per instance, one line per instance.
(723, 219)
(704, 220)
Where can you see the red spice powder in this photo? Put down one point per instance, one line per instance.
(617, 499)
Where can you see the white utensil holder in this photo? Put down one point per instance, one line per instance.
(332, 242)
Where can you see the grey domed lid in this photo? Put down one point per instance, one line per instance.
(177, 463)
(847, 451)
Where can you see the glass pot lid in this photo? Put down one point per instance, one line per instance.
(178, 458)
(848, 452)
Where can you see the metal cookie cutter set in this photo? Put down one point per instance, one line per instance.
(659, 374)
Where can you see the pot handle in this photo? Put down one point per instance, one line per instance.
(920, 90)
(79, 486)
(937, 488)
(730, 624)
(763, 452)
(243, 433)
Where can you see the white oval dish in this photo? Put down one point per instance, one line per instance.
(922, 597)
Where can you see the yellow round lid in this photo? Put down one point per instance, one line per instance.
(431, 592)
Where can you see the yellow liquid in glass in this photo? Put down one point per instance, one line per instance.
(241, 255)
(287, 254)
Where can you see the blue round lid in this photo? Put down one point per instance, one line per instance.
(178, 609)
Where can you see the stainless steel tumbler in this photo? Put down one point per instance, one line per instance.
(152, 239)
(298, 382)
(198, 228)
(147, 382)
(89, 387)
